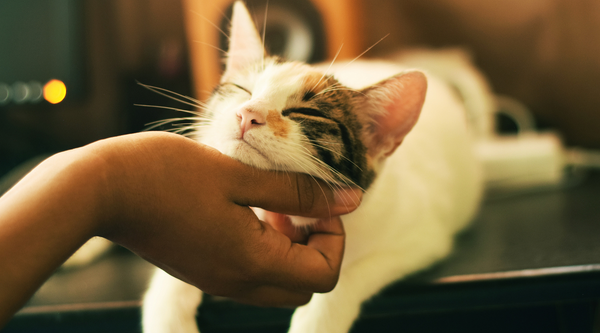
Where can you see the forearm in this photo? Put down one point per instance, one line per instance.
(177, 203)
(43, 220)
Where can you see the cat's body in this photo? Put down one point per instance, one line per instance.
(421, 187)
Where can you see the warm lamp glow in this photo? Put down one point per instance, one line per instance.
(55, 91)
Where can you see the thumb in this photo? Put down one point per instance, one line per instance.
(292, 194)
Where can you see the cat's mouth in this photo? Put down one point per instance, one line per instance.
(247, 153)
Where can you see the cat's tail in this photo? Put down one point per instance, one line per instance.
(454, 66)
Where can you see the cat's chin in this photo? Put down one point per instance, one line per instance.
(247, 154)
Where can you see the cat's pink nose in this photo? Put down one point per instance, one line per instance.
(250, 119)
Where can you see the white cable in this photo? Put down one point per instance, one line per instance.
(578, 157)
(519, 113)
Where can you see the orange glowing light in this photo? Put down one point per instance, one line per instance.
(55, 91)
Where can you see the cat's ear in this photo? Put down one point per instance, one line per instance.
(393, 106)
(245, 45)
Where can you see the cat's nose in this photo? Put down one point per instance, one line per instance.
(249, 119)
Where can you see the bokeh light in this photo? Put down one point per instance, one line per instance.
(55, 91)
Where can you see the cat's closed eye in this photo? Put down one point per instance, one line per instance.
(239, 87)
(304, 111)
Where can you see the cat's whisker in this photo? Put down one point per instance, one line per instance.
(318, 170)
(367, 50)
(328, 177)
(211, 23)
(195, 119)
(182, 98)
(189, 98)
(347, 184)
(196, 122)
(330, 142)
(318, 144)
(159, 123)
(308, 172)
(331, 180)
(218, 8)
(332, 90)
(210, 45)
(338, 88)
(341, 178)
(166, 108)
(335, 87)
(193, 134)
(328, 68)
(320, 164)
(264, 34)
(203, 124)
(184, 129)
(177, 129)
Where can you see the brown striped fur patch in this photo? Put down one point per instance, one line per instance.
(277, 124)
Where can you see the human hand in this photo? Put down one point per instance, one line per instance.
(184, 207)
(180, 205)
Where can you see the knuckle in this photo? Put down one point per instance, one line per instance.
(303, 299)
(329, 286)
(328, 283)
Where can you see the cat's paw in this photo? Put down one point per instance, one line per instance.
(173, 324)
(170, 305)
(326, 313)
(166, 318)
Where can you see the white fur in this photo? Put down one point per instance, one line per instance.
(89, 252)
(427, 191)
(270, 91)
(170, 305)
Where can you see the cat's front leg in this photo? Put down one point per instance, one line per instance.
(170, 305)
(335, 312)
(328, 313)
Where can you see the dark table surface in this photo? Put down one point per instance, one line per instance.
(526, 250)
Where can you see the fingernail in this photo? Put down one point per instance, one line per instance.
(348, 197)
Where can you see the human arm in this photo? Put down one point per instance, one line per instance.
(180, 205)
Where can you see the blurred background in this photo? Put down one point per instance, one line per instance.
(69, 73)
(99, 49)
(541, 52)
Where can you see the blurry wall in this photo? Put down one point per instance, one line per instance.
(124, 41)
(545, 53)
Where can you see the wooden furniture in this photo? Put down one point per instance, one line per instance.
(529, 263)
(341, 19)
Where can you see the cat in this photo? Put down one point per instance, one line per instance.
(398, 134)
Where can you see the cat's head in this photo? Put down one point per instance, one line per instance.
(289, 116)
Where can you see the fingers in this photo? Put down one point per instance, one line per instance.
(271, 296)
(283, 224)
(314, 267)
(291, 193)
